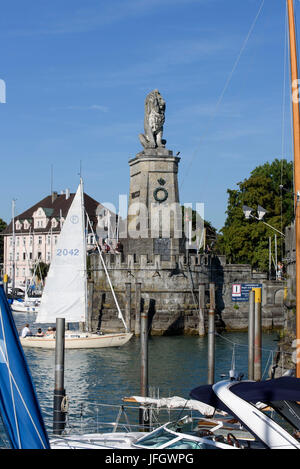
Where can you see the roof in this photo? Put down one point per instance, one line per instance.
(54, 207)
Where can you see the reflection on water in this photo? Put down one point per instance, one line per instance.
(176, 365)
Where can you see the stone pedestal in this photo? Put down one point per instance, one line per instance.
(154, 214)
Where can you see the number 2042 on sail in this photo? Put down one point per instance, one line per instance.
(67, 252)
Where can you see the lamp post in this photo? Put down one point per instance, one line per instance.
(261, 213)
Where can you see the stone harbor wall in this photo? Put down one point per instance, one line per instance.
(169, 291)
(285, 361)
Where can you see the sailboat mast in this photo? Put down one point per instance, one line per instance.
(296, 132)
(13, 245)
(84, 250)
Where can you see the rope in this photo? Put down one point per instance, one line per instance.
(235, 344)
(64, 405)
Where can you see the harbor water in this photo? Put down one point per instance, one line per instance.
(97, 380)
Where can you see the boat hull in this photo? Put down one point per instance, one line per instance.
(97, 441)
(19, 307)
(79, 341)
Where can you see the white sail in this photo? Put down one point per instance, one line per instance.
(64, 295)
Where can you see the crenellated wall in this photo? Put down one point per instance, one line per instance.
(169, 290)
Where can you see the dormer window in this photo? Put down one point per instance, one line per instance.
(26, 225)
(40, 218)
(18, 225)
(54, 223)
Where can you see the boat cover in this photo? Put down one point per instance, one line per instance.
(175, 402)
(206, 395)
(285, 388)
(19, 407)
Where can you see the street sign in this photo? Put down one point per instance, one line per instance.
(240, 291)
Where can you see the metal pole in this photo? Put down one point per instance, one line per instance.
(211, 335)
(59, 390)
(13, 245)
(257, 335)
(144, 418)
(201, 327)
(276, 259)
(270, 257)
(251, 335)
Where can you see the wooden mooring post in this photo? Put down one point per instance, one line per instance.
(137, 326)
(201, 325)
(211, 335)
(128, 305)
(59, 417)
(143, 412)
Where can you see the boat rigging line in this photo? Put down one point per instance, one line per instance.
(229, 78)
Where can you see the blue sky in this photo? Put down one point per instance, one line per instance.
(77, 73)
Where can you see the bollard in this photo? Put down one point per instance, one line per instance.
(201, 326)
(251, 335)
(137, 328)
(257, 334)
(128, 305)
(143, 414)
(59, 417)
(211, 335)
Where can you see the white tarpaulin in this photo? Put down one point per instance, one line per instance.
(176, 402)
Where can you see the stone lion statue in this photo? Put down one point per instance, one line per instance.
(154, 120)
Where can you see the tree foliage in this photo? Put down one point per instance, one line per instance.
(197, 220)
(247, 241)
(41, 270)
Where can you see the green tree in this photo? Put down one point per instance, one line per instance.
(211, 232)
(41, 270)
(3, 225)
(247, 241)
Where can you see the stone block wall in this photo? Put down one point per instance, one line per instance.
(169, 290)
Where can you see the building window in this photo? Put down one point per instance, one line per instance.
(30, 241)
(30, 255)
(48, 240)
(39, 255)
(48, 256)
(55, 239)
(24, 256)
(40, 240)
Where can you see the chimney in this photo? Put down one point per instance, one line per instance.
(67, 193)
(54, 196)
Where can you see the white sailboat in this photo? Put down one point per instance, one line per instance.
(65, 292)
(28, 305)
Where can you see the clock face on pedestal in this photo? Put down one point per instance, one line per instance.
(160, 194)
